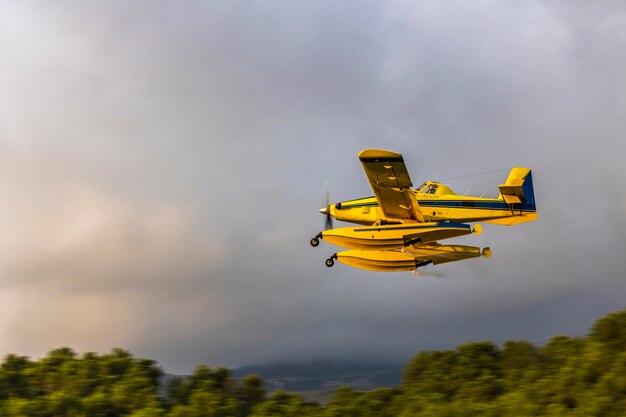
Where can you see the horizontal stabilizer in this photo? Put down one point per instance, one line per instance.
(512, 190)
(518, 189)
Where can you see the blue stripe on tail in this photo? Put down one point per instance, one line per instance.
(529, 193)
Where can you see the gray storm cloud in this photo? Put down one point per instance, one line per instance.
(162, 166)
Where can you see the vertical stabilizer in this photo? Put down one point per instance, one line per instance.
(519, 194)
(518, 189)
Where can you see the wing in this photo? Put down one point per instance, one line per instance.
(391, 184)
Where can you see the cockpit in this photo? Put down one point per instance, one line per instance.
(428, 188)
(434, 188)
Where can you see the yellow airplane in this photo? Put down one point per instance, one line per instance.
(400, 226)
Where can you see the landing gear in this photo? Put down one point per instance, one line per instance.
(316, 240)
(331, 261)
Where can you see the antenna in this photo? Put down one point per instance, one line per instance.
(475, 175)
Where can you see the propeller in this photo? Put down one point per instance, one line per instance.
(328, 222)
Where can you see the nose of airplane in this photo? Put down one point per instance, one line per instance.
(324, 210)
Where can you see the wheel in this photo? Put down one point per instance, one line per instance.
(330, 262)
(314, 242)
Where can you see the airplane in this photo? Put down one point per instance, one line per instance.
(398, 228)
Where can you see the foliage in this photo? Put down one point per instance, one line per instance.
(567, 376)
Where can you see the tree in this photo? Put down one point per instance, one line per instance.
(15, 376)
(610, 331)
(284, 404)
(251, 391)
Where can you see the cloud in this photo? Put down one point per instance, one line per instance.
(80, 260)
(161, 169)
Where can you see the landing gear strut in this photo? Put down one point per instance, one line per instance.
(331, 261)
(316, 240)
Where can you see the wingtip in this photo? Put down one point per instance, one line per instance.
(378, 153)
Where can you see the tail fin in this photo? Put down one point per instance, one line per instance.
(519, 194)
(518, 189)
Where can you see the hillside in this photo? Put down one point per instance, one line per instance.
(317, 380)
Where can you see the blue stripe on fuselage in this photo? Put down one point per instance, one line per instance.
(490, 205)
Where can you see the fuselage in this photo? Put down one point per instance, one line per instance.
(440, 205)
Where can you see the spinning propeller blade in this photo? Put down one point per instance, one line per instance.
(328, 222)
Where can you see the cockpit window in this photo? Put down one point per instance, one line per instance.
(429, 189)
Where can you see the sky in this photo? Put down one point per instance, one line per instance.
(162, 164)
